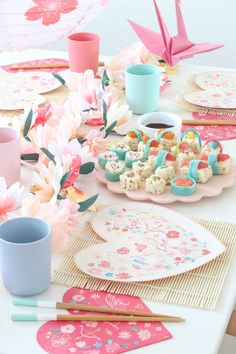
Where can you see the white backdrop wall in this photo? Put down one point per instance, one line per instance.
(206, 21)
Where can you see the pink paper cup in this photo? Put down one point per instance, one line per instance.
(83, 50)
(9, 155)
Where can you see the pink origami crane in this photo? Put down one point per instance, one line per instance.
(171, 49)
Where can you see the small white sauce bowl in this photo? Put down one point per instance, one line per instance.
(159, 117)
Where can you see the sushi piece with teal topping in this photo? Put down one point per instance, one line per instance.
(120, 150)
(113, 170)
(133, 156)
(104, 157)
(183, 186)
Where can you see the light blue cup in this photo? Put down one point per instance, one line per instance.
(25, 255)
(142, 87)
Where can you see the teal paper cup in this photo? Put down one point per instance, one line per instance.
(142, 87)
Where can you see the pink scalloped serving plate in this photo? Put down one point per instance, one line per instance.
(212, 188)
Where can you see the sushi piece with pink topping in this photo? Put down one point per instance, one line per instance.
(183, 152)
(220, 163)
(183, 186)
(163, 158)
(199, 170)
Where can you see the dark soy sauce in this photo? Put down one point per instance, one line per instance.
(158, 125)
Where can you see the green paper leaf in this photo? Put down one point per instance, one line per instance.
(105, 80)
(30, 157)
(110, 128)
(65, 178)
(59, 78)
(87, 203)
(86, 168)
(48, 154)
(104, 110)
(27, 125)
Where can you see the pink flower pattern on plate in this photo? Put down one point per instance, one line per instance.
(50, 10)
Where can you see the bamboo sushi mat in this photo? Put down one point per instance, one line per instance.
(198, 288)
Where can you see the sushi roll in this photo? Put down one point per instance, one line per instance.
(166, 139)
(165, 172)
(143, 169)
(133, 138)
(155, 185)
(133, 156)
(148, 146)
(120, 150)
(183, 152)
(130, 181)
(104, 157)
(199, 170)
(113, 170)
(163, 158)
(211, 146)
(220, 163)
(183, 186)
(192, 137)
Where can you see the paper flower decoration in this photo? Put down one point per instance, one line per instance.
(171, 49)
(9, 198)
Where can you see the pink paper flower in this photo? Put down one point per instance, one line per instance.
(43, 114)
(74, 167)
(9, 198)
(50, 10)
(94, 141)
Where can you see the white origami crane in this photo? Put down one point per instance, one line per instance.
(171, 49)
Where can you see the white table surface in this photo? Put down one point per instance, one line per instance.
(203, 330)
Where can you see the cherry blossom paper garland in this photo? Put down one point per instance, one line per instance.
(65, 337)
(210, 131)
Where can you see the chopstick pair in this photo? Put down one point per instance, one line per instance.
(44, 66)
(122, 314)
(209, 122)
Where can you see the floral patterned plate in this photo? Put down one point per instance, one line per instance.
(214, 99)
(171, 244)
(29, 82)
(19, 101)
(217, 80)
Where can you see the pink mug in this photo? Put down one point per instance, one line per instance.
(9, 155)
(83, 50)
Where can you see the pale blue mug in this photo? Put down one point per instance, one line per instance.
(142, 87)
(25, 255)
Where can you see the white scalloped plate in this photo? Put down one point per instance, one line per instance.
(212, 99)
(217, 80)
(177, 246)
(212, 188)
(29, 82)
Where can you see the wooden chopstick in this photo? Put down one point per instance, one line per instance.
(208, 122)
(64, 317)
(44, 66)
(89, 308)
